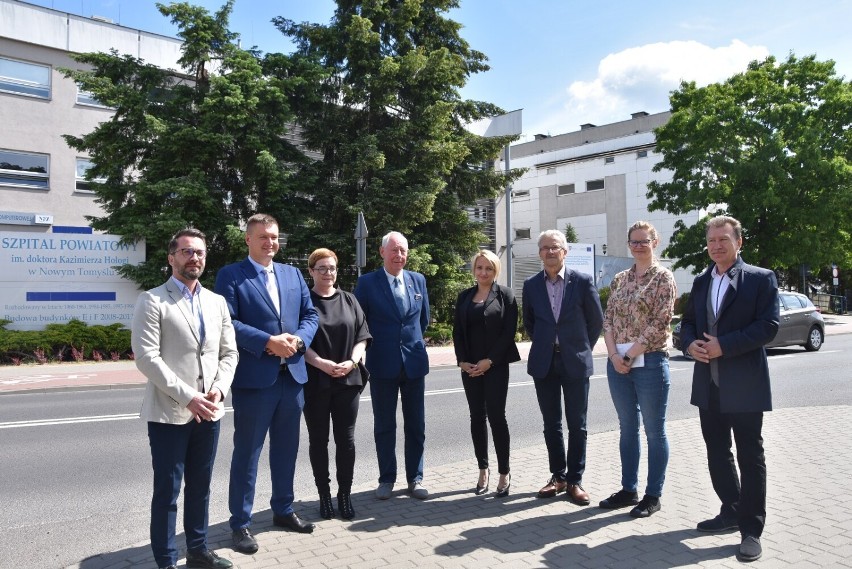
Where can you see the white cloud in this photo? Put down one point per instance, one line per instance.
(640, 79)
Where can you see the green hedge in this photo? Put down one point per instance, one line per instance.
(74, 341)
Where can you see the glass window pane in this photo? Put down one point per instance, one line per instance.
(22, 169)
(24, 78)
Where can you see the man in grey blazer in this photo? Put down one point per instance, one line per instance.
(184, 343)
(563, 317)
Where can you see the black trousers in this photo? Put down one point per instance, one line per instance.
(743, 495)
(486, 399)
(340, 404)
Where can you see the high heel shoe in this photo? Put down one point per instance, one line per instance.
(503, 492)
(344, 504)
(480, 490)
(326, 508)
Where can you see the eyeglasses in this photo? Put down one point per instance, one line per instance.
(551, 249)
(642, 243)
(188, 252)
(325, 270)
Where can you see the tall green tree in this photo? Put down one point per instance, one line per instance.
(772, 147)
(390, 130)
(204, 147)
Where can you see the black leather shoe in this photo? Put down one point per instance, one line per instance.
(344, 504)
(292, 522)
(620, 499)
(750, 549)
(326, 507)
(244, 541)
(206, 559)
(646, 507)
(719, 524)
(483, 488)
(504, 491)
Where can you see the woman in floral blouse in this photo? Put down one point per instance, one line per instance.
(636, 331)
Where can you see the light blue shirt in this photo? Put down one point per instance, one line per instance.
(194, 304)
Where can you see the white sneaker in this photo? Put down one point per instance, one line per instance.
(383, 492)
(417, 490)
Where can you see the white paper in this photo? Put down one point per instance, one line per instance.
(638, 361)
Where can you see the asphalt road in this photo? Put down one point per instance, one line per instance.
(75, 467)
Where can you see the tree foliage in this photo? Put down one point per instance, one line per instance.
(772, 147)
(204, 149)
(389, 126)
(374, 94)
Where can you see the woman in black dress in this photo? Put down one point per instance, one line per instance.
(486, 320)
(335, 381)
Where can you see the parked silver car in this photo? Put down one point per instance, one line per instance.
(801, 324)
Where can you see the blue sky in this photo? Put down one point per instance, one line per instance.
(569, 62)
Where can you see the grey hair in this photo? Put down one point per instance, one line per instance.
(398, 235)
(555, 234)
(723, 220)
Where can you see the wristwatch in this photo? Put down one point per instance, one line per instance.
(300, 345)
(627, 359)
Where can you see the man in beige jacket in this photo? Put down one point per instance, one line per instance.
(184, 343)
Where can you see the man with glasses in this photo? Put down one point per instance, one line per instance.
(274, 321)
(563, 317)
(183, 342)
(397, 309)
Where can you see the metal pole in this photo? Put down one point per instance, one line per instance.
(510, 273)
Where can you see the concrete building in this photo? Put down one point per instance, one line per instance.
(41, 182)
(594, 179)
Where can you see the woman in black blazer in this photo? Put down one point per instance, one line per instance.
(486, 320)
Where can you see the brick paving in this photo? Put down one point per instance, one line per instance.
(809, 518)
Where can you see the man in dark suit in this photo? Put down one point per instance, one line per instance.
(563, 317)
(397, 308)
(731, 314)
(184, 344)
(274, 320)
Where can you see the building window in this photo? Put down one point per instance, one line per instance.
(609, 159)
(84, 185)
(24, 170)
(593, 185)
(522, 233)
(24, 78)
(551, 170)
(87, 98)
(517, 194)
(564, 189)
(642, 154)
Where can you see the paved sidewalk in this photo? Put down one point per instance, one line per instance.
(809, 520)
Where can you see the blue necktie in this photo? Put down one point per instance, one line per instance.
(399, 296)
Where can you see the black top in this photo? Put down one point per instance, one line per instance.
(342, 324)
(478, 347)
(496, 324)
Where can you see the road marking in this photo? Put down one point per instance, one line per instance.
(74, 420)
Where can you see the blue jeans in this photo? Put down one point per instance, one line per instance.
(645, 391)
(550, 391)
(384, 394)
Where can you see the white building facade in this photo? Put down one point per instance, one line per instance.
(594, 179)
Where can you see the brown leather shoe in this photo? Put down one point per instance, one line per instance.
(553, 487)
(577, 495)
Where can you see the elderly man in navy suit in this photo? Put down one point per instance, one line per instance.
(732, 313)
(397, 309)
(563, 316)
(274, 320)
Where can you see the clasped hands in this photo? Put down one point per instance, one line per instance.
(335, 369)
(283, 345)
(705, 350)
(203, 405)
(477, 369)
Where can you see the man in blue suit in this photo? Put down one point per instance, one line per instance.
(732, 313)
(274, 320)
(563, 317)
(397, 309)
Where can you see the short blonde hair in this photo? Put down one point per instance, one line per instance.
(319, 254)
(488, 256)
(646, 225)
